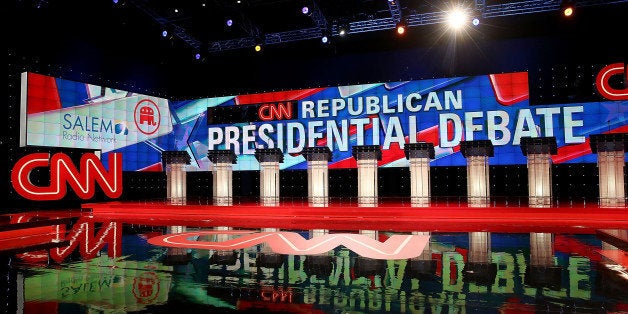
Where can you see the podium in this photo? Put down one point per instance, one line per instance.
(317, 175)
(175, 175)
(222, 180)
(478, 188)
(317, 180)
(611, 151)
(367, 157)
(419, 156)
(269, 159)
(538, 151)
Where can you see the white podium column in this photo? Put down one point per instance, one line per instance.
(479, 267)
(317, 180)
(538, 151)
(176, 255)
(426, 255)
(479, 247)
(611, 161)
(419, 156)
(269, 159)
(175, 175)
(222, 175)
(222, 188)
(317, 175)
(422, 265)
(478, 187)
(367, 157)
(541, 249)
(176, 194)
(541, 271)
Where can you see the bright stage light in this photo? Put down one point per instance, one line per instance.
(401, 28)
(567, 8)
(457, 18)
(343, 29)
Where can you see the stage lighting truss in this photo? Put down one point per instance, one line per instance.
(481, 9)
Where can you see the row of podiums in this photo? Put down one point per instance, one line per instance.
(479, 268)
(610, 150)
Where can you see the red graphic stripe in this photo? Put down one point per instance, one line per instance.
(569, 245)
(42, 94)
(510, 88)
(569, 152)
(348, 162)
(154, 167)
(275, 96)
(618, 256)
(396, 247)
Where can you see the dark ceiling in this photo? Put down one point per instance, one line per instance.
(123, 39)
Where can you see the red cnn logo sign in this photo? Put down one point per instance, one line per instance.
(603, 78)
(275, 111)
(62, 170)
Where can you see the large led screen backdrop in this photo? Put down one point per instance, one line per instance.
(442, 111)
(63, 113)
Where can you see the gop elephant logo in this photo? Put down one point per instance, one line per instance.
(147, 116)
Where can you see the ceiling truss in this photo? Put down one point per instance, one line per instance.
(479, 9)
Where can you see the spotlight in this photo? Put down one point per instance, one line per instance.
(401, 28)
(456, 18)
(343, 29)
(305, 10)
(197, 56)
(567, 8)
(475, 21)
(164, 33)
(325, 36)
(259, 44)
(229, 22)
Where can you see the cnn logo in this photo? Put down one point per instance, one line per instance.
(62, 170)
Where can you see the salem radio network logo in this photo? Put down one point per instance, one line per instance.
(147, 116)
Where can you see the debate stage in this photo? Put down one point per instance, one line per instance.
(400, 217)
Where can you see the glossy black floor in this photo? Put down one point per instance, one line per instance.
(117, 270)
